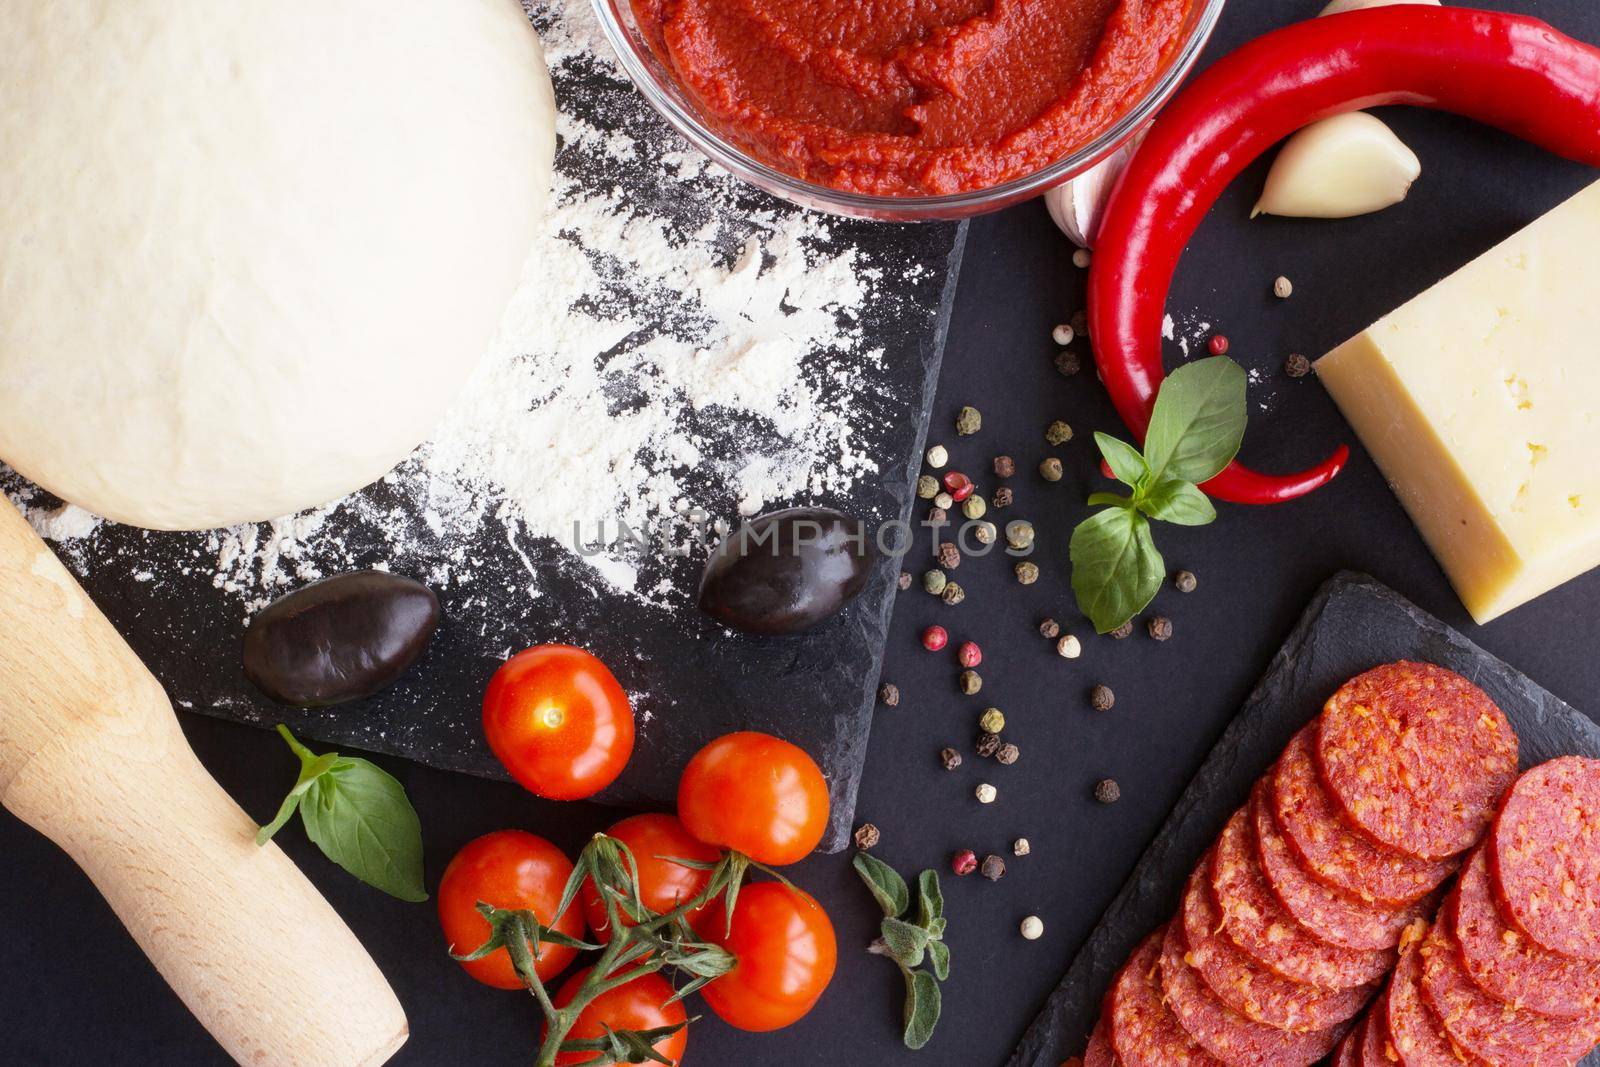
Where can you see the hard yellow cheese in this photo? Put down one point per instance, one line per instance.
(1480, 401)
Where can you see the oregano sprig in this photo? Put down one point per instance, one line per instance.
(1195, 431)
(911, 941)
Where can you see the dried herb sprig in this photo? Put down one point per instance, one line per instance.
(911, 941)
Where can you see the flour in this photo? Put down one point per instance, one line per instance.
(678, 345)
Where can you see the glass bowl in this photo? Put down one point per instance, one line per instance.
(664, 94)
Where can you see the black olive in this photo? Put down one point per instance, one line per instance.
(786, 571)
(339, 639)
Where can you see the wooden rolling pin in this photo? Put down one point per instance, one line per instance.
(91, 755)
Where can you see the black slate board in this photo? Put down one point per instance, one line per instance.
(1352, 624)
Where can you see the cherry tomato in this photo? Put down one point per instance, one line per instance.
(662, 885)
(639, 1005)
(509, 869)
(757, 794)
(559, 722)
(786, 950)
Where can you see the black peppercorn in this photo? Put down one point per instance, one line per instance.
(1049, 628)
(1125, 630)
(1002, 497)
(1185, 581)
(1004, 466)
(1297, 366)
(866, 836)
(1068, 363)
(950, 758)
(1160, 627)
(889, 694)
(1107, 791)
(949, 556)
(1101, 698)
(988, 745)
(994, 868)
(938, 517)
(1008, 754)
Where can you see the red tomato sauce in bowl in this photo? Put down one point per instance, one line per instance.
(912, 97)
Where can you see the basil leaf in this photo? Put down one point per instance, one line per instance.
(359, 816)
(311, 768)
(939, 959)
(1124, 460)
(930, 902)
(1116, 500)
(922, 1008)
(1198, 421)
(905, 942)
(887, 887)
(1178, 501)
(1116, 569)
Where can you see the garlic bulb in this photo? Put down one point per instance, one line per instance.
(1077, 204)
(1337, 6)
(1349, 164)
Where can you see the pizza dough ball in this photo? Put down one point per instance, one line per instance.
(249, 252)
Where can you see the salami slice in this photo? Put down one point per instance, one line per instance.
(1349, 1053)
(1507, 965)
(1259, 925)
(1223, 1032)
(1099, 1053)
(1484, 1027)
(1411, 1030)
(1374, 1042)
(1416, 757)
(1545, 855)
(1144, 1032)
(1330, 850)
(1329, 915)
(1246, 986)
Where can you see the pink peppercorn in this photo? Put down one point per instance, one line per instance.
(1218, 345)
(969, 654)
(964, 862)
(934, 638)
(958, 485)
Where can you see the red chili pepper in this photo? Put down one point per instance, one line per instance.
(1510, 71)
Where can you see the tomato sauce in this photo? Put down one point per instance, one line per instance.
(912, 97)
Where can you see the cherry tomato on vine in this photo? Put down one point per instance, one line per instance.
(509, 869)
(757, 794)
(558, 720)
(639, 1005)
(662, 885)
(786, 950)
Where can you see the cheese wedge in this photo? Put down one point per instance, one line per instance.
(1480, 401)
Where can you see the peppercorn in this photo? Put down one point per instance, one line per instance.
(867, 835)
(969, 420)
(1004, 466)
(969, 654)
(992, 721)
(1002, 497)
(1049, 628)
(1125, 630)
(964, 862)
(974, 507)
(984, 533)
(1050, 470)
(1020, 847)
(1185, 581)
(1218, 345)
(1160, 627)
(1069, 647)
(1107, 791)
(1058, 433)
(969, 682)
(1081, 258)
(1032, 928)
(934, 638)
(904, 581)
(1101, 698)
(1080, 322)
(985, 793)
(1068, 363)
(959, 486)
(927, 487)
(950, 758)
(949, 556)
(953, 594)
(938, 456)
(1296, 366)
(1282, 287)
(943, 501)
(1019, 533)
(988, 745)
(1008, 754)
(1027, 572)
(1062, 335)
(938, 517)
(994, 868)
(934, 582)
(889, 694)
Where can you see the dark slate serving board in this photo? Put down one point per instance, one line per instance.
(1352, 624)
(690, 679)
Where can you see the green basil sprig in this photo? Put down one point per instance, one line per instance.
(1195, 431)
(359, 816)
(911, 941)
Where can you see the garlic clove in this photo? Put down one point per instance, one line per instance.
(1350, 164)
(1336, 7)
(1076, 205)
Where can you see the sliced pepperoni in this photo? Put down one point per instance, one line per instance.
(1246, 986)
(1330, 850)
(1223, 1032)
(1417, 757)
(1328, 914)
(1507, 965)
(1349, 1052)
(1411, 1031)
(1099, 1053)
(1481, 1026)
(1254, 920)
(1374, 1042)
(1144, 1032)
(1545, 855)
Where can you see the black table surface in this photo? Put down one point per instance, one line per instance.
(75, 990)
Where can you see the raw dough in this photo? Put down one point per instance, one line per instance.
(249, 252)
